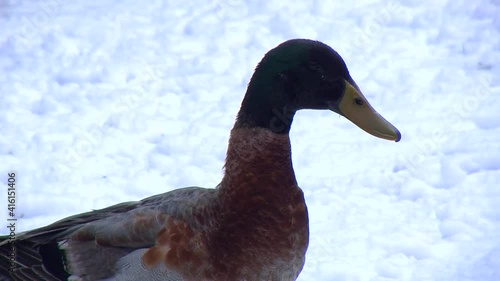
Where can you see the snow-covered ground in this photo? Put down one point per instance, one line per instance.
(110, 101)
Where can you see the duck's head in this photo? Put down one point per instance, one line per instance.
(306, 74)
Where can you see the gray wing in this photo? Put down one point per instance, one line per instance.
(97, 244)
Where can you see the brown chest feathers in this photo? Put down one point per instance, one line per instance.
(264, 223)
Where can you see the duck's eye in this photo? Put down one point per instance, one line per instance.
(313, 65)
(358, 101)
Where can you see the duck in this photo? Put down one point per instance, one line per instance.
(252, 226)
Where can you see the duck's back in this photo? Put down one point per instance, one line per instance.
(121, 242)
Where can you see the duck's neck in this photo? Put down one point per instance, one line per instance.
(258, 158)
(264, 107)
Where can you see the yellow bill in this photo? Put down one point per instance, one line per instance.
(356, 108)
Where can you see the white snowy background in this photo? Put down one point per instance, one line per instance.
(110, 101)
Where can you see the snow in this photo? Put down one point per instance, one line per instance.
(112, 101)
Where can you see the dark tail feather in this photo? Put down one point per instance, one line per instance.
(5, 257)
(37, 254)
(25, 261)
